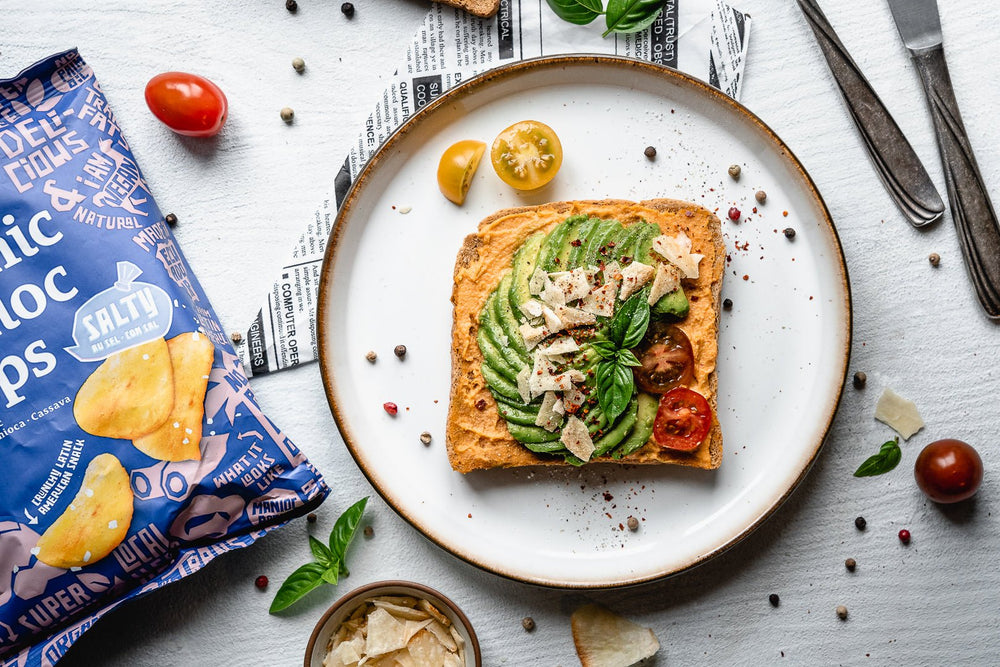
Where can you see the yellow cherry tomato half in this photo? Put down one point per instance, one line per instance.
(457, 167)
(527, 155)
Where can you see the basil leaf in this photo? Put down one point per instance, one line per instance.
(888, 457)
(321, 552)
(605, 349)
(331, 572)
(621, 323)
(638, 323)
(580, 12)
(298, 583)
(631, 15)
(627, 358)
(343, 531)
(615, 385)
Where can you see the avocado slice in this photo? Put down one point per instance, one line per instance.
(623, 428)
(583, 232)
(643, 428)
(553, 245)
(499, 383)
(507, 320)
(627, 247)
(525, 261)
(598, 239)
(493, 357)
(674, 304)
(532, 436)
(496, 335)
(517, 415)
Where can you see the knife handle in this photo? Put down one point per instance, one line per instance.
(975, 219)
(895, 161)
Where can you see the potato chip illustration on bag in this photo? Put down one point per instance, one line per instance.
(129, 395)
(95, 522)
(178, 438)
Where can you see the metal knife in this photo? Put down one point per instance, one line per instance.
(975, 220)
(894, 159)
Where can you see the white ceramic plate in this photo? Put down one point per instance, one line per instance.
(783, 346)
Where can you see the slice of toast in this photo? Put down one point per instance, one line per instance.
(484, 8)
(477, 436)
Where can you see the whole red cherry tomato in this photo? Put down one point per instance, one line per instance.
(187, 103)
(948, 471)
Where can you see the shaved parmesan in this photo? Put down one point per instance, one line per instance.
(634, 276)
(552, 295)
(558, 407)
(612, 271)
(552, 321)
(544, 378)
(576, 376)
(522, 385)
(547, 417)
(531, 308)
(536, 283)
(666, 281)
(561, 345)
(574, 317)
(575, 284)
(899, 413)
(532, 335)
(577, 439)
(573, 399)
(677, 251)
(602, 300)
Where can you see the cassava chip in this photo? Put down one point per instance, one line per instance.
(178, 438)
(604, 639)
(95, 522)
(130, 394)
(385, 633)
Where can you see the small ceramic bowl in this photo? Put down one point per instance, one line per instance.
(345, 606)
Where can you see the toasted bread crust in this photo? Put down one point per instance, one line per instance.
(478, 438)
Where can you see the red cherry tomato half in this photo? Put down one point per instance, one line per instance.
(948, 471)
(682, 420)
(187, 103)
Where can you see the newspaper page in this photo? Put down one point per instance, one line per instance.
(707, 39)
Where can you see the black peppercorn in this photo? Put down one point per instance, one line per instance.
(860, 523)
(850, 564)
(311, 517)
(291, 6)
(170, 219)
(860, 379)
(789, 233)
(348, 9)
(727, 304)
(399, 351)
(773, 599)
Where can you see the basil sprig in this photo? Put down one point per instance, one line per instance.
(621, 16)
(329, 564)
(615, 382)
(888, 457)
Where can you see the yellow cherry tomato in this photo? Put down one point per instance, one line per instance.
(457, 167)
(527, 155)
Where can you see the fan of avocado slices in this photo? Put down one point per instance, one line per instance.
(557, 334)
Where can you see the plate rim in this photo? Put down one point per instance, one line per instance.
(484, 80)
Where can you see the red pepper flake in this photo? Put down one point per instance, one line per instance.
(734, 214)
(611, 244)
(390, 407)
(608, 497)
(469, 515)
(576, 243)
(689, 214)
(746, 277)
(784, 214)
(481, 404)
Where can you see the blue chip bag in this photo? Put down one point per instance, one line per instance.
(133, 449)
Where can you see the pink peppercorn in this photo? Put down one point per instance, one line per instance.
(734, 214)
(904, 536)
(390, 407)
(260, 582)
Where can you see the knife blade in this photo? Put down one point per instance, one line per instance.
(975, 219)
(894, 159)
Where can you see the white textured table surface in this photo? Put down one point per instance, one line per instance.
(242, 198)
